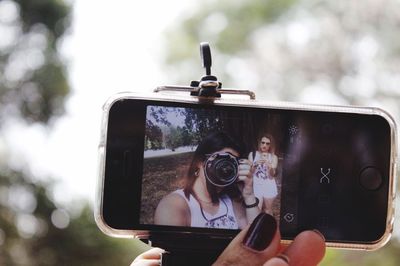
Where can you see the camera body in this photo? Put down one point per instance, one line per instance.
(336, 166)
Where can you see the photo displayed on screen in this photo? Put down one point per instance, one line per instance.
(200, 166)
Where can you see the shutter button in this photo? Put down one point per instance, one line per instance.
(371, 178)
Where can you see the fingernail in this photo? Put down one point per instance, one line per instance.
(320, 234)
(261, 232)
(283, 257)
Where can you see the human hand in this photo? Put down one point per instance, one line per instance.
(261, 161)
(151, 257)
(245, 175)
(259, 244)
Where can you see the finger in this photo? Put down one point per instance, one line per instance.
(253, 245)
(144, 262)
(279, 260)
(243, 174)
(308, 248)
(244, 171)
(246, 184)
(244, 162)
(153, 253)
(244, 167)
(241, 178)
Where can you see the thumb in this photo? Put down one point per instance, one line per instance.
(253, 245)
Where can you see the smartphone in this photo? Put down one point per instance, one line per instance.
(330, 168)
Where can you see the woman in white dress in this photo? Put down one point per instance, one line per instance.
(265, 163)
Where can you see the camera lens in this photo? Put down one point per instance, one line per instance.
(225, 170)
(221, 169)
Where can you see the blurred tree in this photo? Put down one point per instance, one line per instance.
(173, 138)
(154, 136)
(187, 137)
(33, 81)
(388, 256)
(34, 230)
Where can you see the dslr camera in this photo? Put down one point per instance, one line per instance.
(221, 169)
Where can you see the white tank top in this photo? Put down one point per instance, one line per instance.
(224, 218)
(261, 171)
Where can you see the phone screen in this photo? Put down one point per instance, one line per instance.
(310, 170)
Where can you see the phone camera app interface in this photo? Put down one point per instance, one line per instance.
(198, 162)
(310, 170)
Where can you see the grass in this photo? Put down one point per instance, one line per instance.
(161, 175)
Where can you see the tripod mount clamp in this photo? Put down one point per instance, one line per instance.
(208, 86)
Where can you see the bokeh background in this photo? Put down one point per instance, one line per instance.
(61, 60)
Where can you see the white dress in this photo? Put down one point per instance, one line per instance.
(224, 218)
(264, 185)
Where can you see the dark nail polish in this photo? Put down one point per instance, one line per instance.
(261, 232)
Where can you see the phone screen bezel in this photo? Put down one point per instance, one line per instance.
(145, 231)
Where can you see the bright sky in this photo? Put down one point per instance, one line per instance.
(114, 47)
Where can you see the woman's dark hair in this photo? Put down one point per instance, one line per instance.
(213, 142)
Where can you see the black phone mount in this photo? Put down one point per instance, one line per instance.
(208, 86)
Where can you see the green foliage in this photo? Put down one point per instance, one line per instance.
(196, 125)
(387, 256)
(40, 242)
(186, 136)
(154, 136)
(226, 24)
(33, 75)
(52, 86)
(53, 14)
(180, 136)
(173, 139)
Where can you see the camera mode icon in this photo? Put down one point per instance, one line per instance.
(325, 179)
(289, 217)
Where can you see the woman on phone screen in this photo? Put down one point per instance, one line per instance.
(202, 202)
(265, 163)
